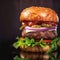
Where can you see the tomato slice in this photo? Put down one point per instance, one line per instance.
(47, 41)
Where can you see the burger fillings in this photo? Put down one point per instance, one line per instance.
(41, 22)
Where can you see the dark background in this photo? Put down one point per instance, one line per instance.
(9, 22)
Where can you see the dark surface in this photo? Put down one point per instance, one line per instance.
(9, 22)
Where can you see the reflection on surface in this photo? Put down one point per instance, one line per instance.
(35, 56)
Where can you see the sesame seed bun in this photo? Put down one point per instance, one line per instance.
(35, 13)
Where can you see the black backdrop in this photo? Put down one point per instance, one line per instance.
(9, 21)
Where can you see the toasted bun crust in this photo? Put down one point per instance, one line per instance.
(35, 49)
(31, 49)
(35, 13)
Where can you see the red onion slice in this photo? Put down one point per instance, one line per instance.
(40, 29)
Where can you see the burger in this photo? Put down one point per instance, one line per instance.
(39, 30)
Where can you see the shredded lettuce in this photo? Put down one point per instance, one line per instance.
(54, 45)
(29, 42)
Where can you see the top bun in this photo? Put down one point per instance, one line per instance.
(35, 13)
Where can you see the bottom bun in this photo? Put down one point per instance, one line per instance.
(33, 49)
